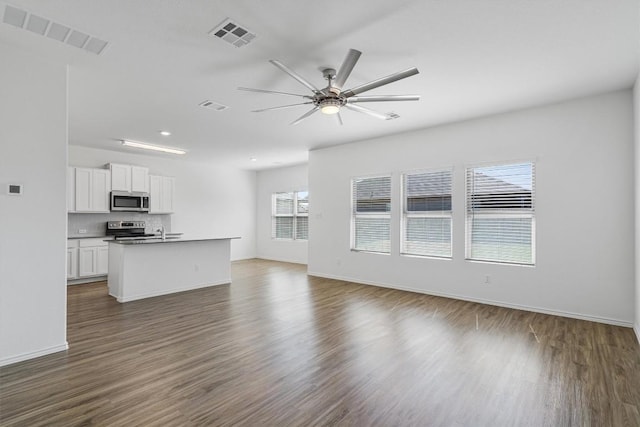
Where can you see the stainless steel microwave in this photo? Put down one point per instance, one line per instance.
(122, 201)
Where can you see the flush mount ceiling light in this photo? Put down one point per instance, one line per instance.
(136, 144)
(330, 105)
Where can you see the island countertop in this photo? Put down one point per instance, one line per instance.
(169, 239)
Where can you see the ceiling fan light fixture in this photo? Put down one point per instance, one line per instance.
(330, 106)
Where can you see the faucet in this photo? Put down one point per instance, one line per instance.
(163, 235)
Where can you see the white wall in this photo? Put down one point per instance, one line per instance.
(636, 116)
(210, 199)
(294, 178)
(33, 152)
(583, 151)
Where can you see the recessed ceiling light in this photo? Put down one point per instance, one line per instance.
(165, 133)
(145, 146)
(253, 159)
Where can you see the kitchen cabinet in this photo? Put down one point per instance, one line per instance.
(72, 259)
(71, 189)
(91, 190)
(93, 257)
(129, 178)
(161, 194)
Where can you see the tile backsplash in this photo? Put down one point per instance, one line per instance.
(96, 224)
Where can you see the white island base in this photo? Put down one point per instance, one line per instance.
(146, 269)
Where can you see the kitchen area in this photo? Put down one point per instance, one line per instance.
(119, 228)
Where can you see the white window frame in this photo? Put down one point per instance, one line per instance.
(406, 215)
(369, 215)
(515, 213)
(294, 215)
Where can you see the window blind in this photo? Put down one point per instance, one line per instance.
(426, 223)
(501, 213)
(302, 215)
(290, 212)
(371, 214)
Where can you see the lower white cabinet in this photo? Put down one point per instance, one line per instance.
(87, 257)
(72, 259)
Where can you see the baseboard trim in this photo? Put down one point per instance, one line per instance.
(569, 314)
(636, 329)
(33, 354)
(281, 260)
(169, 291)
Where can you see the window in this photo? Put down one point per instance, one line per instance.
(426, 219)
(290, 215)
(501, 213)
(371, 214)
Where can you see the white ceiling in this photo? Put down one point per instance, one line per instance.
(476, 57)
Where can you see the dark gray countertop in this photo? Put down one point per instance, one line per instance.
(169, 239)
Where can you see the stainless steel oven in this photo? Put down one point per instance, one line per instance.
(122, 201)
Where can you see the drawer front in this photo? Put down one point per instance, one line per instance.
(73, 243)
(87, 243)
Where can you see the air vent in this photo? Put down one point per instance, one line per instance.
(233, 33)
(43, 26)
(213, 105)
(391, 116)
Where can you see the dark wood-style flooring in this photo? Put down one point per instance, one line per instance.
(279, 348)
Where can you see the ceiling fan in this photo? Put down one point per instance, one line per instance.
(330, 99)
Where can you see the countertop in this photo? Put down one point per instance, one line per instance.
(169, 239)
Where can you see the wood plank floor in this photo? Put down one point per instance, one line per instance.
(279, 348)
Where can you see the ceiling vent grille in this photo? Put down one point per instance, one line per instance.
(211, 105)
(233, 33)
(45, 27)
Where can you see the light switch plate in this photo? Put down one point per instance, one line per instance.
(14, 189)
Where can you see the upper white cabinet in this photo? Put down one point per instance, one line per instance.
(71, 189)
(91, 190)
(161, 194)
(140, 179)
(129, 178)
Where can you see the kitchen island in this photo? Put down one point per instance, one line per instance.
(150, 267)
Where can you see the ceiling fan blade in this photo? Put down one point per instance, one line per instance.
(381, 82)
(248, 89)
(364, 110)
(305, 115)
(380, 98)
(295, 75)
(345, 69)
(339, 118)
(280, 107)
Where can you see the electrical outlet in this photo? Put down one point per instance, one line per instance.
(82, 231)
(487, 279)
